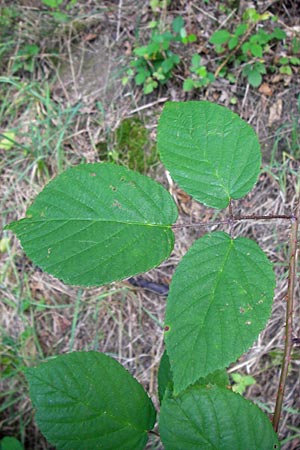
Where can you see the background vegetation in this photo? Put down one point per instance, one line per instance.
(85, 81)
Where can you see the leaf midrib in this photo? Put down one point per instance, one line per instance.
(123, 222)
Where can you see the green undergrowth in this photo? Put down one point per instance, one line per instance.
(129, 145)
(252, 45)
(35, 138)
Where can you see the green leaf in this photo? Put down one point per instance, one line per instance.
(52, 3)
(283, 60)
(233, 42)
(96, 223)
(219, 377)
(141, 51)
(295, 61)
(8, 140)
(241, 382)
(214, 418)
(220, 37)
(286, 70)
(140, 78)
(177, 24)
(87, 400)
(188, 84)
(254, 78)
(60, 16)
(210, 152)
(168, 64)
(256, 50)
(10, 443)
(164, 377)
(241, 29)
(196, 59)
(279, 34)
(220, 299)
(190, 38)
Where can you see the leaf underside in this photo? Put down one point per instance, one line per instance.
(210, 151)
(88, 400)
(220, 299)
(214, 418)
(96, 223)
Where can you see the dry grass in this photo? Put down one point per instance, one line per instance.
(40, 316)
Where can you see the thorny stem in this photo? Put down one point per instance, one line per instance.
(289, 316)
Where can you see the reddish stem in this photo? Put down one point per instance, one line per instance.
(289, 317)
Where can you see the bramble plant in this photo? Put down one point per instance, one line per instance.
(154, 63)
(200, 76)
(286, 63)
(246, 47)
(58, 10)
(96, 223)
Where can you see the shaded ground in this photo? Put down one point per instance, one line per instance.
(86, 102)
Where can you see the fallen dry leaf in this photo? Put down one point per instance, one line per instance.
(90, 37)
(275, 112)
(265, 89)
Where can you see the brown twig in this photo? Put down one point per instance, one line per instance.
(235, 50)
(236, 219)
(289, 316)
(270, 217)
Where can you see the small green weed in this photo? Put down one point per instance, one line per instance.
(25, 58)
(155, 62)
(57, 9)
(287, 63)
(244, 47)
(241, 382)
(200, 76)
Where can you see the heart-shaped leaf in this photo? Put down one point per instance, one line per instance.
(210, 152)
(220, 299)
(87, 400)
(96, 223)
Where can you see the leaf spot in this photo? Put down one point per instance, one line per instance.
(242, 310)
(167, 328)
(92, 174)
(117, 204)
(248, 322)
(113, 188)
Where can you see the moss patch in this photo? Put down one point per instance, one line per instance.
(131, 146)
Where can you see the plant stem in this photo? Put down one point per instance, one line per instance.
(289, 316)
(236, 219)
(235, 50)
(271, 217)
